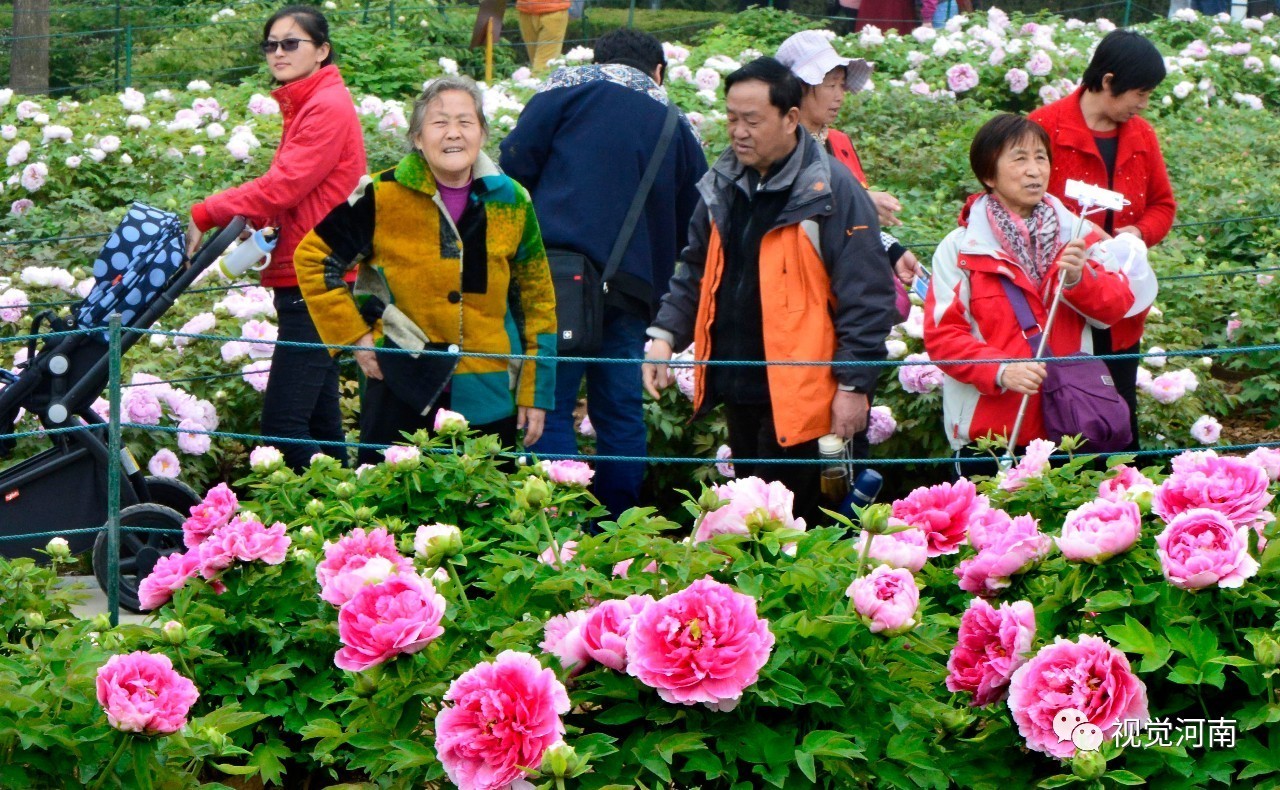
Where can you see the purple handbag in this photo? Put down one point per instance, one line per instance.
(1078, 395)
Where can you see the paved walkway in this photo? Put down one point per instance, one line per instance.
(97, 602)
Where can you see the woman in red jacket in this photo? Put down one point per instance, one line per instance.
(1099, 137)
(318, 164)
(1015, 232)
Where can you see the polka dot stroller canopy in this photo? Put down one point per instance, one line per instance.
(142, 254)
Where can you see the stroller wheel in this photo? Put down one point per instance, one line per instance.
(139, 551)
(173, 494)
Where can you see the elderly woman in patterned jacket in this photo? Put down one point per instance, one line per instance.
(449, 257)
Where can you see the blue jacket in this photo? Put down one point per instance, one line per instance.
(581, 149)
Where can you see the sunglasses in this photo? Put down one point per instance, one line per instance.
(288, 45)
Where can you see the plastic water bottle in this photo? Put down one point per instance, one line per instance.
(835, 468)
(256, 248)
(866, 487)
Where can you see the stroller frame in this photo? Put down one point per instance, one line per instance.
(64, 488)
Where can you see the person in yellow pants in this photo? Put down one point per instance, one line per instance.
(542, 26)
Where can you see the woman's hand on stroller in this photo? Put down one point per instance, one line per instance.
(194, 235)
(368, 360)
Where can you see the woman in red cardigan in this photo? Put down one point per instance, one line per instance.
(1099, 137)
(318, 164)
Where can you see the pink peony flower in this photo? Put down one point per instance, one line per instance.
(880, 424)
(1202, 547)
(571, 473)
(216, 510)
(21, 206)
(1232, 486)
(13, 303)
(992, 643)
(264, 458)
(505, 714)
(243, 539)
(141, 407)
(336, 572)
(1040, 64)
(702, 644)
(449, 420)
(1126, 483)
(751, 503)
(907, 549)
(169, 575)
(723, 456)
(1167, 388)
(1268, 460)
(1015, 550)
(919, 379)
(399, 615)
(255, 374)
(193, 443)
(562, 638)
(888, 598)
(34, 175)
(622, 569)
(164, 464)
(604, 633)
(401, 456)
(1099, 530)
(585, 427)
(142, 693)
(943, 512)
(1087, 675)
(962, 77)
(259, 335)
(987, 525)
(1033, 464)
(1018, 80)
(1206, 430)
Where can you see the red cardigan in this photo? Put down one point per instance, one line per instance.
(317, 166)
(1140, 175)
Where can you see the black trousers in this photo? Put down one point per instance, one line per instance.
(384, 417)
(752, 435)
(1124, 372)
(301, 401)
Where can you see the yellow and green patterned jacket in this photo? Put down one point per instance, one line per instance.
(483, 283)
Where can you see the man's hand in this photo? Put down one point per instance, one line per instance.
(194, 235)
(907, 268)
(849, 413)
(656, 374)
(368, 360)
(1023, 378)
(887, 208)
(531, 421)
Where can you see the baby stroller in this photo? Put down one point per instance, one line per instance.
(139, 274)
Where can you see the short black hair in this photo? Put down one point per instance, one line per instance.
(631, 47)
(1133, 61)
(785, 90)
(995, 136)
(312, 22)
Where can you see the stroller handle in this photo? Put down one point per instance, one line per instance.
(210, 250)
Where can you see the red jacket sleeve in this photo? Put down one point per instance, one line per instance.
(948, 334)
(1156, 221)
(301, 164)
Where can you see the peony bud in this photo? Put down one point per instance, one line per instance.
(215, 737)
(58, 549)
(535, 492)
(345, 490)
(709, 500)
(174, 632)
(280, 477)
(34, 620)
(1088, 765)
(1266, 651)
(437, 542)
(101, 622)
(314, 508)
(561, 761)
(875, 518)
(367, 683)
(363, 514)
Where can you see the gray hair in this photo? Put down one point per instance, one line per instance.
(453, 82)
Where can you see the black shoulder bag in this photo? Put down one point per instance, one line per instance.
(580, 285)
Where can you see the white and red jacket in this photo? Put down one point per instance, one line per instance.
(969, 317)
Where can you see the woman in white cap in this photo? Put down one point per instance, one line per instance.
(828, 78)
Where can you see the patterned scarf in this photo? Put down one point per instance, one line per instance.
(618, 74)
(1033, 242)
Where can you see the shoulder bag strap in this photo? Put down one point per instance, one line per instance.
(1022, 310)
(642, 194)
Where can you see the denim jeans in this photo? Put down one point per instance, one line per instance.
(301, 401)
(615, 403)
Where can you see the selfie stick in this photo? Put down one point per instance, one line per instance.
(1092, 200)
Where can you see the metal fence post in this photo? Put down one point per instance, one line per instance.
(391, 15)
(128, 55)
(116, 54)
(631, 14)
(113, 474)
(1128, 5)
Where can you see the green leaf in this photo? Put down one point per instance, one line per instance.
(1058, 780)
(804, 761)
(267, 757)
(621, 714)
(236, 770)
(1126, 778)
(1133, 637)
(829, 743)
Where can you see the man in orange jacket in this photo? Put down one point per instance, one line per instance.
(1098, 136)
(784, 264)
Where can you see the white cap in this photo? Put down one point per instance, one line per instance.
(831, 444)
(810, 56)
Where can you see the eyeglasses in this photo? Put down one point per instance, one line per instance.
(287, 44)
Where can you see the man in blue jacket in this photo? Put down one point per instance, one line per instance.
(581, 147)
